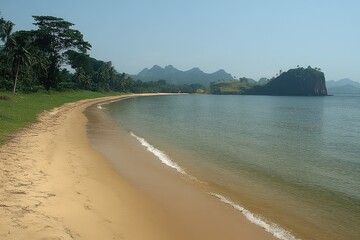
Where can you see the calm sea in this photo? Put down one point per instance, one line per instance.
(287, 163)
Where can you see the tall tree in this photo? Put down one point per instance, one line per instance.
(105, 76)
(54, 37)
(6, 28)
(77, 60)
(82, 80)
(17, 49)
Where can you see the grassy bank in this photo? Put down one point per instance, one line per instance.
(20, 110)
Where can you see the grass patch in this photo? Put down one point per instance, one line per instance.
(20, 110)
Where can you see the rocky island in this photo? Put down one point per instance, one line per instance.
(295, 82)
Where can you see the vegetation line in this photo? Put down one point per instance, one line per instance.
(20, 110)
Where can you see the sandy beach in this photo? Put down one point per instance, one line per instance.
(55, 185)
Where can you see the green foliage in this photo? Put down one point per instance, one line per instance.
(18, 48)
(18, 111)
(30, 61)
(54, 36)
(230, 87)
(6, 28)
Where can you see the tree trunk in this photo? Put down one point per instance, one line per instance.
(16, 77)
(52, 74)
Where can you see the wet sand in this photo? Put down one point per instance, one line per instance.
(55, 185)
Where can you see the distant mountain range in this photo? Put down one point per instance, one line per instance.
(197, 76)
(343, 86)
(178, 77)
(342, 82)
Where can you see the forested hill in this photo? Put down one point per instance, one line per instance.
(178, 77)
(295, 82)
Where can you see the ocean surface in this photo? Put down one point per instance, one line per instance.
(289, 164)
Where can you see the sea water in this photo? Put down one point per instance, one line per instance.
(289, 164)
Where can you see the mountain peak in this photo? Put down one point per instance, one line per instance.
(195, 70)
(144, 71)
(220, 71)
(175, 76)
(156, 67)
(169, 67)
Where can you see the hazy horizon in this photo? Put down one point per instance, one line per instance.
(237, 77)
(251, 39)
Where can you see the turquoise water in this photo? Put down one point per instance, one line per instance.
(293, 161)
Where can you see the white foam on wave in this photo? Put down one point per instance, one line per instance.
(100, 105)
(161, 156)
(272, 228)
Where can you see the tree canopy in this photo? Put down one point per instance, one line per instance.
(6, 28)
(54, 55)
(54, 36)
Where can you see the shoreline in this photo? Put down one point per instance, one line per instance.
(55, 185)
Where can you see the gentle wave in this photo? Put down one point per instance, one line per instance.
(100, 105)
(162, 156)
(272, 228)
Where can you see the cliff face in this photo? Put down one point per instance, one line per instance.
(295, 82)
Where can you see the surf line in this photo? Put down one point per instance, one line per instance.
(161, 156)
(272, 228)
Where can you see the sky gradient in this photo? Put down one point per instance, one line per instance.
(254, 38)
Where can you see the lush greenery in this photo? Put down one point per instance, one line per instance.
(295, 82)
(17, 111)
(230, 87)
(41, 59)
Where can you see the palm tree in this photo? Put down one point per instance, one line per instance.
(39, 62)
(123, 83)
(17, 48)
(6, 28)
(5, 33)
(82, 79)
(112, 75)
(105, 76)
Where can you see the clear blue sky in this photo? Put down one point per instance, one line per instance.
(253, 38)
